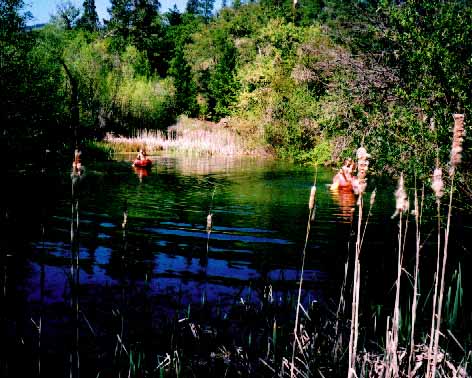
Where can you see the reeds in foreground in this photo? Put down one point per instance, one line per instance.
(363, 166)
(414, 303)
(456, 156)
(391, 356)
(297, 330)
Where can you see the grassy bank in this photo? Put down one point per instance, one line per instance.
(188, 136)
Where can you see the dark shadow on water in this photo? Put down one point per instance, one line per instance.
(138, 269)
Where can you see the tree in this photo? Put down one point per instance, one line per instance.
(173, 16)
(143, 22)
(10, 19)
(185, 88)
(120, 18)
(66, 15)
(192, 7)
(89, 20)
(223, 85)
(207, 9)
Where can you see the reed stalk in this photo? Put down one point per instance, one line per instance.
(355, 297)
(402, 205)
(435, 295)
(414, 302)
(363, 166)
(76, 177)
(441, 290)
(296, 341)
(456, 157)
(209, 221)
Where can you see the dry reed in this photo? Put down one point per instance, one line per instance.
(391, 356)
(297, 342)
(456, 156)
(414, 303)
(363, 166)
(193, 137)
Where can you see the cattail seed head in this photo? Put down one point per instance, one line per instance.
(438, 184)
(125, 219)
(362, 154)
(362, 168)
(311, 203)
(209, 223)
(372, 197)
(401, 199)
(457, 139)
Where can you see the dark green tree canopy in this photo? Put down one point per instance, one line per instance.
(120, 17)
(89, 20)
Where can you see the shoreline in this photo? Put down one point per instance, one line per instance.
(189, 136)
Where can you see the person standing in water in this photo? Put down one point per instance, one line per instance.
(141, 155)
(344, 178)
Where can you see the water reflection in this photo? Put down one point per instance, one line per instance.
(141, 172)
(153, 233)
(143, 243)
(346, 201)
(161, 235)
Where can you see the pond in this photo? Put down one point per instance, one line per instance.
(136, 247)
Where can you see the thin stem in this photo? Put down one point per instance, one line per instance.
(297, 312)
(443, 271)
(415, 285)
(355, 297)
(435, 296)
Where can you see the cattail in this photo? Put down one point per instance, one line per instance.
(125, 219)
(401, 198)
(362, 154)
(362, 168)
(311, 203)
(77, 168)
(372, 198)
(438, 184)
(457, 139)
(209, 222)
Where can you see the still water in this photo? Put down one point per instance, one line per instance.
(141, 240)
(259, 219)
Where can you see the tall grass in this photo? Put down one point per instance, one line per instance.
(188, 136)
(297, 343)
(363, 165)
(74, 279)
(432, 358)
(418, 212)
(391, 356)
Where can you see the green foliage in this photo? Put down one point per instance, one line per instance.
(454, 299)
(320, 154)
(433, 48)
(89, 20)
(222, 85)
(66, 17)
(296, 78)
(185, 88)
(120, 17)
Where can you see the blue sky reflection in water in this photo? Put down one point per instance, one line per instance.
(160, 266)
(259, 215)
